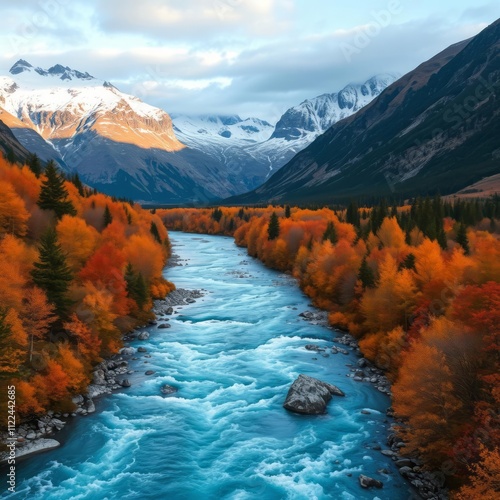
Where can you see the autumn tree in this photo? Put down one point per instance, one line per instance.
(52, 274)
(54, 195)
(13, 342)
(13, 214)
(37, 316)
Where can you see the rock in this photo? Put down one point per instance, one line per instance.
(58, 424)
(127, 351)
(361, 363)
(365, 412)
(143, 336)
(152, 322)
(388, 453)
(312, 347)
(99, 379)
(309, 396)
(125, 382)
(307, 315)
(168, 389)
(369, 482)
(164, 325)
(142, 349)
(149, 372)
(38, 445)
(169, 311)
(77, 400)
(90, 406)
(404, 462)
(189, 300)
(31, 435)
(405, 470)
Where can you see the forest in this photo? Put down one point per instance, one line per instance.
(419, 286)
(74, 279)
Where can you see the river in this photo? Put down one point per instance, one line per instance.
(224, 435)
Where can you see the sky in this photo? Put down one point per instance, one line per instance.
(247, 57)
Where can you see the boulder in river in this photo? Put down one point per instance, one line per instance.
(143, 336)
(164, 325)
(167, 389)
(150, 372)
(369, 482)
(309, 396)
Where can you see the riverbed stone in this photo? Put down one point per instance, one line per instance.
(309, 396)
(168, 389)
(369, 482)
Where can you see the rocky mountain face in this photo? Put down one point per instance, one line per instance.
(252, 150)
(434, 130)
(10, 147)
(116, 142)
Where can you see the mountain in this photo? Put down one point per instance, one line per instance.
(116, 142)
(9, 145)
(252, 149)
(434, 130)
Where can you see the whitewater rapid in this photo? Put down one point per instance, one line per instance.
(232, 356)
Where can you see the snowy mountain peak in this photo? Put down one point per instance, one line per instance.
(60, 71)
(314, 116)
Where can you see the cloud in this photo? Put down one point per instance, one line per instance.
(229, 56)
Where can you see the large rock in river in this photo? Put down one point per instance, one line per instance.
(309, 396)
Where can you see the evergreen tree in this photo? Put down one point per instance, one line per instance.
(408, 262)
(154, 231)
(231, 225)
(54, 195)
(241, 213)
(352, 214)
(108, 218)
(462, 239)
(365, 274)
(217, 214)
(52, 274)
(330, 233)
(287, 211)
(137, 288)
(75, 179)
(153, 211)
(273, 230)
(34, 164)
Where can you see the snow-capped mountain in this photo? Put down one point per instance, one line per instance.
(115, 141)
(253, 149)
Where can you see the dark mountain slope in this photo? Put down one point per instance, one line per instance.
(437, 129)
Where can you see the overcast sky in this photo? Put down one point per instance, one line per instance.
(246, 57)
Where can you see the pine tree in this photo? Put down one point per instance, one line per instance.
(34, 164)
(75, 179)
(137, 288)
(462, 239)
(273, 230)
(52, 274)
(155, 233)
(365, 274)
(217, 214)
(352, 214)
(331, 233)
(54, 195)
(108, 218)
(288, 212)
(408, 262)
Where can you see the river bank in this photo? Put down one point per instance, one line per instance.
(108, 376)
(231, 359)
